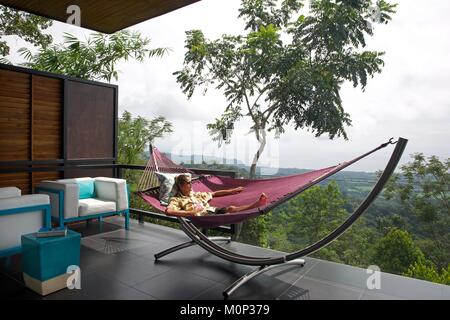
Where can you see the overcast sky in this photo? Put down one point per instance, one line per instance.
(410, 98)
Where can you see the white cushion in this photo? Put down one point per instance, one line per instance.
(13, 226)
(9, 192)
(91, 206)
(74, 180)
(112, 189)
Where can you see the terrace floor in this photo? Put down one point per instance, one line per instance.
(119, 264)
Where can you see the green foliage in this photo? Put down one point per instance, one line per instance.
(427, 271)
(356, 246)
(255, 231)
(315, 212)
(396, 251)
(288, 68)
(93, 59)
(424, 189)
(136, 133)
(23, 25)
(386, 224)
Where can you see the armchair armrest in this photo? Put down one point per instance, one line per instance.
(28, 200)
(68, 190)
(10, 192)
(21, 215)
(112, 189)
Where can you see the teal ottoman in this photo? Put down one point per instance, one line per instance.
(45, 261)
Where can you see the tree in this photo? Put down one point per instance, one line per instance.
(396, 251)
(315, 212)
(424, 189)
(24, 25)
(425, 270)
(284, 70)
(306, 219)
(385, 224)
(94, 59)
(312, 215)
(135, 133)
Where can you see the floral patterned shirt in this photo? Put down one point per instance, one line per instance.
(188, 203)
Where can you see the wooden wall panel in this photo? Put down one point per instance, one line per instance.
(20, 180)
(47, 124)
(45, 175)
(14, 116)
(47, 118)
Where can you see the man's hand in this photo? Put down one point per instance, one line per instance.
(198, 209)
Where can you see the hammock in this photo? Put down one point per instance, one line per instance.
(278, 189)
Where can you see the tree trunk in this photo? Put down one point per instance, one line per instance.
(261, 137)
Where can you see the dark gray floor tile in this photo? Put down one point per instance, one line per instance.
(325, 290)
(93, 260)
(375, 295)
(98, 286)
(249, 250)
(291, 273)
(204, 264)
(246, 292)
(11, 288)
(175, 285)
(134, 271)
(409, 288)
(340, 274)
(11, 264)
(93, 227)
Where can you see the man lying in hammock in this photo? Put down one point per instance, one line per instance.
(189, 203)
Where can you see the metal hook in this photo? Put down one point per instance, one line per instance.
(390, 141)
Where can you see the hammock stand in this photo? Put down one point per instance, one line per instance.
(190, 225)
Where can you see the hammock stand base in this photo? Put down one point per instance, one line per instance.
(187, 245)
(246, 277)
(267, 263)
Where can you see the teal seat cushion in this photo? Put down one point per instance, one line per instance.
(86, 189)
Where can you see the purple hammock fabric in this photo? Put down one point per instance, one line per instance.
(276, 189)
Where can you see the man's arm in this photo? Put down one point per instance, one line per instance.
(227, 192)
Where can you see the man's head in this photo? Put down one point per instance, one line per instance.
(183, 183)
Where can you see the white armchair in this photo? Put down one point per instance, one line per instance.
(86, 198)
(20, 215)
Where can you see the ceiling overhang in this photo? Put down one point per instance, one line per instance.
(106, 16)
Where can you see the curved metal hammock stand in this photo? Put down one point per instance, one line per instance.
(267, 263)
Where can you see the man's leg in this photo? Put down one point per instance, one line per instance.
(259, 203)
